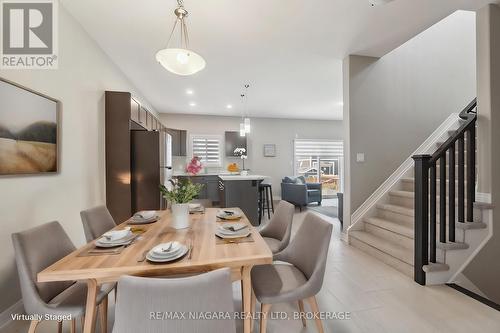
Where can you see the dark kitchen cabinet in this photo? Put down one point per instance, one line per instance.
(124, 114)
(210, 189)
(234, 140)
(179, 141)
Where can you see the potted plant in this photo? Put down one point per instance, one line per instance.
(179, 195)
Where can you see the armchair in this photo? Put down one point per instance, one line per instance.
(298, 192)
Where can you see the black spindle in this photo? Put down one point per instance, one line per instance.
(421, 253)
(471, 172)
(461, 180)
(432, 217)
(451, 194)
(442, 199)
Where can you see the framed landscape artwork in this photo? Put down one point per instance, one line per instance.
(28, 131)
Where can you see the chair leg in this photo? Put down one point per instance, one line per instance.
(82, 320)
(263, 320)
(253, 300)
(73, 325)
(314, 307)
(268, 208)
(272, 200)
(59, 326)
(302, 314)
(33, 325)
(103, 315)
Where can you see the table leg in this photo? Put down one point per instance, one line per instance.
(90, 312)
(246, 285)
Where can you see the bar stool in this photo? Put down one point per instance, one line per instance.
(265, 194)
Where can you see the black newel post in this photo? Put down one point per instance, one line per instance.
(421, 216)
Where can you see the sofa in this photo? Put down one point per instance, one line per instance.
(296, 191)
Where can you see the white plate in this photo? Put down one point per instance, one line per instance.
(121, 242)
(152, 258)
(137, 221)
(158, 249)
(144, 215)
(236, 225)
(235, 216)
(234, 235)
(115, 235)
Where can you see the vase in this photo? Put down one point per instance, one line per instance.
(180, 216)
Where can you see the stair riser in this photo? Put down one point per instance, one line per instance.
(389, 235)
(382, 256)
(410, 220)
(410, 186)
(410, 202)
(391, 216)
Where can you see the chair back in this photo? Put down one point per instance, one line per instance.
(139, 297)
(36, 249)
(96, 221)
(308, 250)
(280, 225)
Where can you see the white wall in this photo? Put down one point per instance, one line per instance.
(281, 132)
(84, 73)
(397, 101)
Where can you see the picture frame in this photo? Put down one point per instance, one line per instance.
(269, 150)
(30, 131)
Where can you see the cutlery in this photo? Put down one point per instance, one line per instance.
(143, 257)
(190, 250)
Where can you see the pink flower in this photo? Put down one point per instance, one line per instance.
(194, 166)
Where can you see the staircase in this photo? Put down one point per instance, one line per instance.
(386, 224)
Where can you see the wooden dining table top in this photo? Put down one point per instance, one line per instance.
(206, 254)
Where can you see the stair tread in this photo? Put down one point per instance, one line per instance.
(399, 228)
(397, 209)
(395, 250)
(402, 193)
(435, 267)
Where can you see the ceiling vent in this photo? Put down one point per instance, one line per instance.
(379, 2)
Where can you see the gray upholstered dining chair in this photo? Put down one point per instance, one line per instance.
(36, 249)
(301, 276)
(96, 221)
(139, 298)
(277, 231)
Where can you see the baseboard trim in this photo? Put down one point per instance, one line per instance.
(475, 296)
(6, 315)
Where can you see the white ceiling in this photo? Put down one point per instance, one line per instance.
(289, 51)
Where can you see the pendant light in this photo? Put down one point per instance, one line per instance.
(242, 124)
(246, 121)
(181, 60)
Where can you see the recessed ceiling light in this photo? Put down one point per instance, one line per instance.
(192, 104)
(229, 106)
(189, 92)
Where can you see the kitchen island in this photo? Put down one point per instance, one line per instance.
(243, 192)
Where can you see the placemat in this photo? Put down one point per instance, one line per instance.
(97, 251)
(248, 239)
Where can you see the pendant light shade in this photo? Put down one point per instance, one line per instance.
(242, 130)
(247, 125)
(180, 60)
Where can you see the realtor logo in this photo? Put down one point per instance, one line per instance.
(29, 34)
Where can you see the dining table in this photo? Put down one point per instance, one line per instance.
(206, 252)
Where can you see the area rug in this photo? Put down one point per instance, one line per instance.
(330, 211)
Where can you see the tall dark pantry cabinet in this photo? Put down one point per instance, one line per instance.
(132, 156)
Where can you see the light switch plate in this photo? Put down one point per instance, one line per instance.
(360, 157)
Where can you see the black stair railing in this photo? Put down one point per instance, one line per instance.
(456, 161)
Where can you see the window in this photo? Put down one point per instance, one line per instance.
(320, 161)
(207, 147)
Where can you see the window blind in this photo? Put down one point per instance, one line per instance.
(318, 148)
(207, 148)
